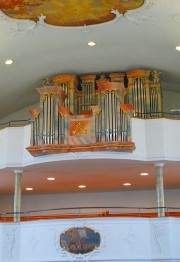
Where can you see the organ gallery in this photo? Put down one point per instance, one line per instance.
(93, 113)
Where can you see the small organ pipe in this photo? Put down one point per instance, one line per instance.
(48, 119)
(110, 115)
(45, 119)
(52, 119)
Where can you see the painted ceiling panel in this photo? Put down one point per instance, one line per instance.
(68, 12)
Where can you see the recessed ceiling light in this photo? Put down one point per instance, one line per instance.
(29, 188)
(91, 43)
(50, 178)
(81, 186)
(127, 184)
(178, 48)
(144, 174)
(9, 62)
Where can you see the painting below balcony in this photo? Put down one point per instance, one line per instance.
(81, 240)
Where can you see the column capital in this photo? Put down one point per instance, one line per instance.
(18, 171)
(159, 164)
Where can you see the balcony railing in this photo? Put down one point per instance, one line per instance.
(175, 114)
(15, 123)
(90, 212)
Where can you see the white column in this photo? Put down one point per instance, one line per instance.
(160, 189)
(17, 195)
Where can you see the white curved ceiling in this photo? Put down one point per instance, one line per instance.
(141, 39)
(144, 38)
(97, 174)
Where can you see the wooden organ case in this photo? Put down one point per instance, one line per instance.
(92, 113)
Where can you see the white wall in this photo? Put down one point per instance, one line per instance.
(121, 239)
(143, 198)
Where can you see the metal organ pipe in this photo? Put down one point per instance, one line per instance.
(139, 96)
(100, 126)
(116, 120)
(97, 128)
(88, 96)
(114, 117)
(110, 116)
(48, 119)
(137, 90)
(61, 131)
(107, 117)
(136, 97)
(151, 101)
(52, 120)
(124, 124)
(156, 110)
(154, 101)
(65, 87)
(133, 100)
(143, 102)
(44, 119)
(140, 100)
(36, 130)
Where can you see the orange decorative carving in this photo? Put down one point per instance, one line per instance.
(113, 146)
(52, 90)
(108, 85)
(88, 77)
(126, 107)
(78, 128)
(117, 75)
(64, 111)
(65, 79)
(34, 112)
(138, 73)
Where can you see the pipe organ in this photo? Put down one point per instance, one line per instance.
(89, 113)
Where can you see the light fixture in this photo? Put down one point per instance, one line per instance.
(51, 178)
(81, 186)
(127, 184)
(9, 62)
(144, 174)
(178, 48)
(29, 188)
(91, 43)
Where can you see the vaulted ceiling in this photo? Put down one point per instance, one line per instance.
(141, 38)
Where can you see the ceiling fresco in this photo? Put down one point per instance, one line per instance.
(68, 12)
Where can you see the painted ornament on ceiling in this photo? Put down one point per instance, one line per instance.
(68, 12)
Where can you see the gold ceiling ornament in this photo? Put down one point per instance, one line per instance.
(68, 12)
